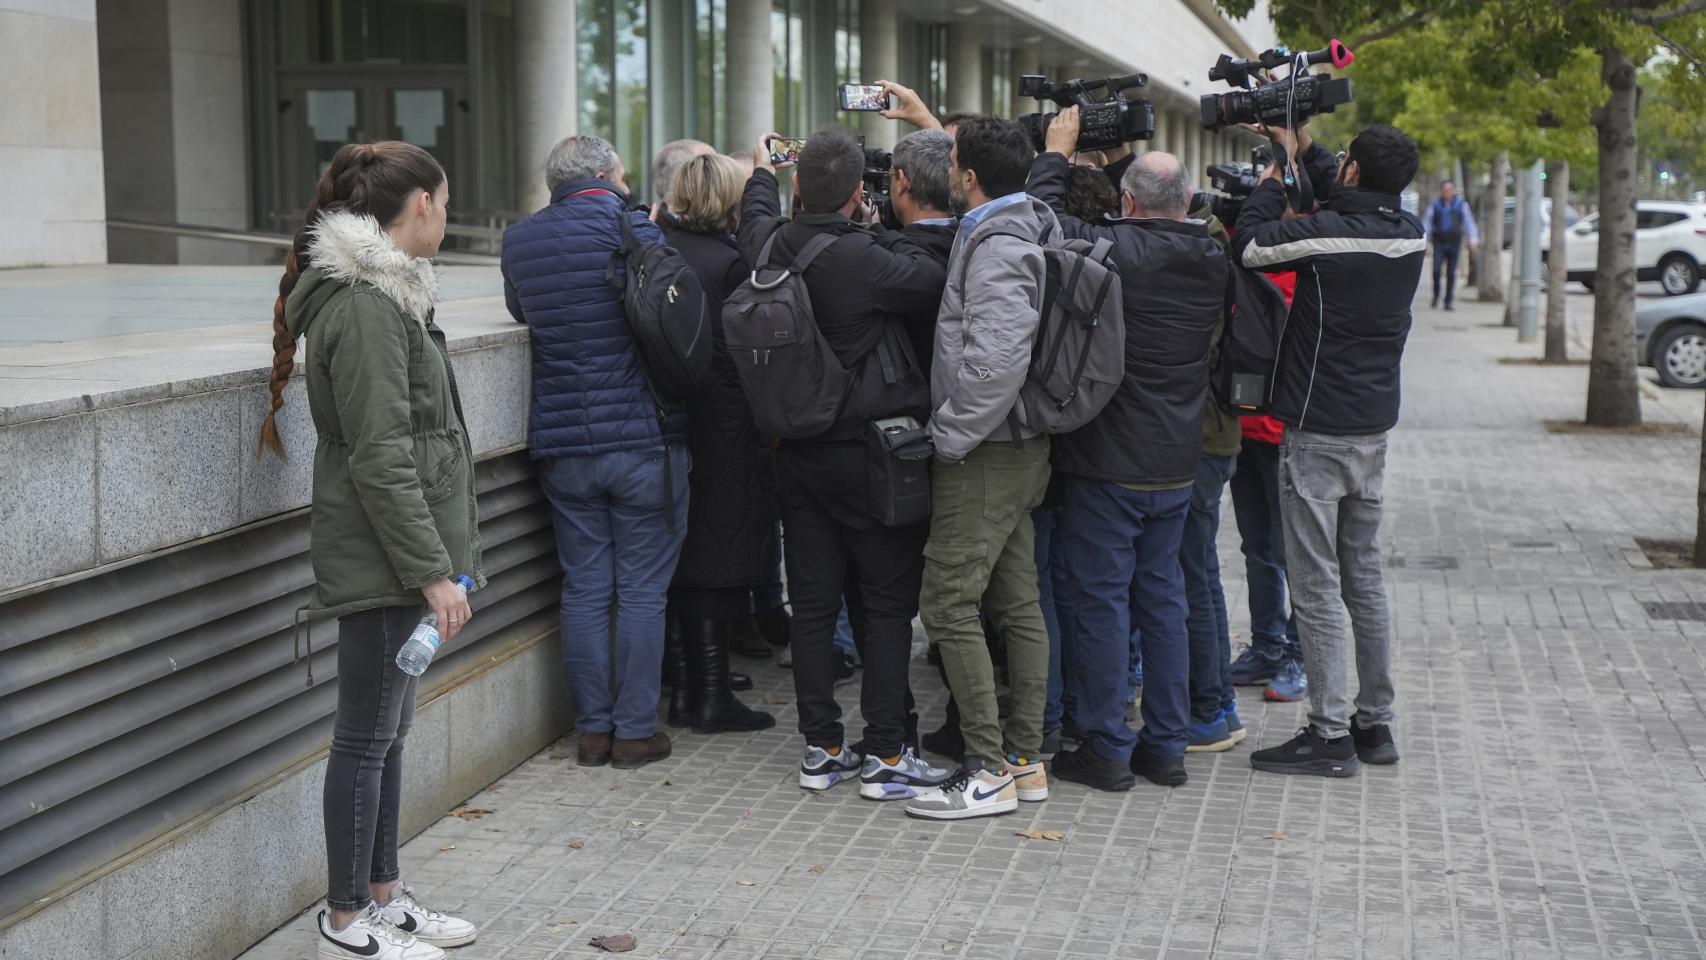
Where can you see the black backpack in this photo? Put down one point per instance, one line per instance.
(665, 306)
(1242, 375)
(792, 378)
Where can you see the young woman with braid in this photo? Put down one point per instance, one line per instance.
(393, 517)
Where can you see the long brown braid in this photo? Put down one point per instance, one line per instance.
(376, 179)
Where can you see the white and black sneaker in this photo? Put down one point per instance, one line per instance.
(407, 914)
(820, 770)
(967, 794)
(901, 780)
(371, 937)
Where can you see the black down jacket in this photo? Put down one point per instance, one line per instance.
(731, 517)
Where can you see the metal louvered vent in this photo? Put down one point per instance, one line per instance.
(142, 695)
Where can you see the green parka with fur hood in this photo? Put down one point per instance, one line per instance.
(393, 506)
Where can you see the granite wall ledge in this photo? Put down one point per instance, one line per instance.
(96, 479)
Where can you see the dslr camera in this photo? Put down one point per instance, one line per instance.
(1278, 103)
(1235, 181)
(1108, 121)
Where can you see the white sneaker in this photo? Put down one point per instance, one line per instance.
(407, 914)
(966, 795)
(371, 937)
(1028, 777)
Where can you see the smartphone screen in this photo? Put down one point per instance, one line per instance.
(785, 150)
(866, 97)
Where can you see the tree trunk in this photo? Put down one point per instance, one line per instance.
(1492, 286)
(1700, 505)
(1557, 339)
(1614, 394)
(1514, 290)
(1477, 198)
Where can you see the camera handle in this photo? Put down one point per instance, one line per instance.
(1297, 189)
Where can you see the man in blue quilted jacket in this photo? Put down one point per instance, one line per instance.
(612, 467)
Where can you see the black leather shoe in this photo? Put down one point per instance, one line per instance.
(1159, 769)
(1374, 744)
(739, 682)
(1085, 766)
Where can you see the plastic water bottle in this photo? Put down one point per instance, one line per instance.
(423, 643)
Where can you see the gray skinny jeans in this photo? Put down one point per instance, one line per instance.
(1330, 500)
(364, 776)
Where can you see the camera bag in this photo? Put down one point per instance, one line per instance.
(898, 471)
(1242, 371)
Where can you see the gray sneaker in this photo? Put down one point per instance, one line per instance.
(905, 779)
(820, 771)
(965, 795)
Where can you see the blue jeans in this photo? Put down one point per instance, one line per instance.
(1122, 548)
(1199, 559)
(844, 631)
(1055, 598)
(618, 555)
(1256, 505)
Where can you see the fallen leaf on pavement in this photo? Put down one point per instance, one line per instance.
(636, 823)
(470, 813)
(1036, 833)
(747, 883)
(447, 849)
(615, 943)
(576, 843)
(1277, 836)
(816, 870)
(558, 756)
(668, 782)
(679, 931)
(776, 700)
(948, 948)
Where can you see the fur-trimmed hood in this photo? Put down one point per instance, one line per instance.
(348, 248)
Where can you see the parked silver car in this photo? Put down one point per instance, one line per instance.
(1670, 336)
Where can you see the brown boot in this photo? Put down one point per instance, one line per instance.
(628, 754)
(593, 750)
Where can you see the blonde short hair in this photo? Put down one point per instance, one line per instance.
(706, 193)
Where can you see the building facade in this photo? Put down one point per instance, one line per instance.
(221, 113)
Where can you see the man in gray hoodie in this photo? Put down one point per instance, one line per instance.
(991, 470)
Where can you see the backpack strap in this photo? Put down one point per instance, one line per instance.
(815, 246)
(628, 245)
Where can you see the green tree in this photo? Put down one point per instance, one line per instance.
(1514, 39)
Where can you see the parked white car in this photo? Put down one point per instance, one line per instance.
(1670, 245)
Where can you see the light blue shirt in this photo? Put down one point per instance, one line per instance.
(972, 218)
(933, 222)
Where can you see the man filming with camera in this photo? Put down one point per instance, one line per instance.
(1358, 261)
(1129, 471)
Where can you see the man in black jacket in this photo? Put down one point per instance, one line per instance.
(863, 295)
(1129, 471)
(1358, 261)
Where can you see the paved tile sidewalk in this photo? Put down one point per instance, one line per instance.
(1551, 801)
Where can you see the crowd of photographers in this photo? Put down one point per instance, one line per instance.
(997, 382)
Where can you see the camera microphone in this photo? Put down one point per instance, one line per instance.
(1335, 53)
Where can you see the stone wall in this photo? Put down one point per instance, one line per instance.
(52, 202)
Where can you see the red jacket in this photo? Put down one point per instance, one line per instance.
(1267, 429)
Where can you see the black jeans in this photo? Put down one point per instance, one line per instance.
(1445, 255)
(832, 543)
(364, 777)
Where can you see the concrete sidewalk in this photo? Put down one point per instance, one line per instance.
(1551, 801)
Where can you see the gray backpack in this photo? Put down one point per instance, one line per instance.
(1078, 356)
(792, 378)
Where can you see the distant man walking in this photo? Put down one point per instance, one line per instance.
(1446, 226)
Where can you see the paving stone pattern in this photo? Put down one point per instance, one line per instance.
(1551, 801)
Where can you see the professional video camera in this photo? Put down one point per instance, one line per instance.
(879, 167)
(1104, 123)
(1279, 103)
(1235, 181)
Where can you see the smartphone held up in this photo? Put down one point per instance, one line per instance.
(785, 151)
(864, 97)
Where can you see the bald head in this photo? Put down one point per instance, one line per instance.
(1156, 186)
(670, 159)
